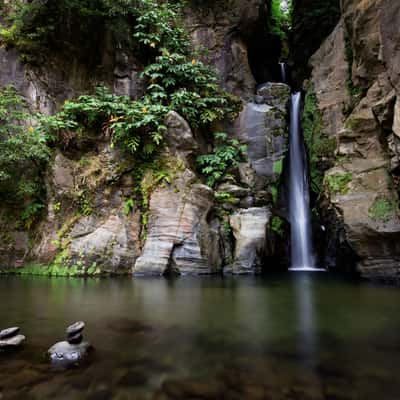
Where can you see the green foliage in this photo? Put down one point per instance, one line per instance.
(54, 270)
(23, 151)
(148, 175)
(338, 183)
(129, 205)
(177, 81)
(383, 209)
(320, 148)
(85, 208)
(227, 153)
(281, 19)
(278, 167)
(225, 197)
(274, 193)
(31, 214)
(278, 226)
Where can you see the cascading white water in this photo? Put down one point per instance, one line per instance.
(299, 199)
(283, 72)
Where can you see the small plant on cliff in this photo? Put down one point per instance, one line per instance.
(278, 226)
(227, 153)
(338, 183)
(383, 209)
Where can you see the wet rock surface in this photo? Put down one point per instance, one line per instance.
(10, 338)
(72, 351)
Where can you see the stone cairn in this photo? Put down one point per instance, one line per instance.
(73, 350)
(10, 338)
(75, 333)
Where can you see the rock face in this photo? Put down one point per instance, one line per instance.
(94, 221)
(263, 127)
(362, 116)
(237, 40)
(250, 230)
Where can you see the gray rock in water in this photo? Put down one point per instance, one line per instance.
(66, 354)
(14, 341)
(8, 333)
(75, 328)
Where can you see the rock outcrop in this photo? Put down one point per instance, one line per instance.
(250, 228)
(355, 79)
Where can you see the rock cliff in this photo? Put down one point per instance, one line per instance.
(355, 78)
(92, 222)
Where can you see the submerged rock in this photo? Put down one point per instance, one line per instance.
(66, 354)
(73, 350)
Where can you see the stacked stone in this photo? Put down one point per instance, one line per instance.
(71, 351)
(74, 333)
(10, 338)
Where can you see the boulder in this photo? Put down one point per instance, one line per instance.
(179, 238)
(65, 354)
(251, 244)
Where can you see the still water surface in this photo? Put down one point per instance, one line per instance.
(292, 337)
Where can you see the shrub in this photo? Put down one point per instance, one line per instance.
(23, 150)
(227, 153)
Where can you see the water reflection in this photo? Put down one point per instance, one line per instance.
(283, 335)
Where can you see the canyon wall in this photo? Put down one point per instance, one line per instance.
(355, 78)
(92, 225)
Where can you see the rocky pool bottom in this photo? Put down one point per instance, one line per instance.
(291, 337)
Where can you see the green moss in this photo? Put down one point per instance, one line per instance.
(277, 226)
(383, 209)
(320, 147)
(54, 270)
(278, 167)
(274, 193)
(338, 183)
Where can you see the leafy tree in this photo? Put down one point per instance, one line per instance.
(23, 149)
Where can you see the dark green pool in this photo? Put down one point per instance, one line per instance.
(293, 337)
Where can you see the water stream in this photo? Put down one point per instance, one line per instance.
(299, 199)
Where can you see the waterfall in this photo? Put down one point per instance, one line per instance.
(299, 198)
(283, 72)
